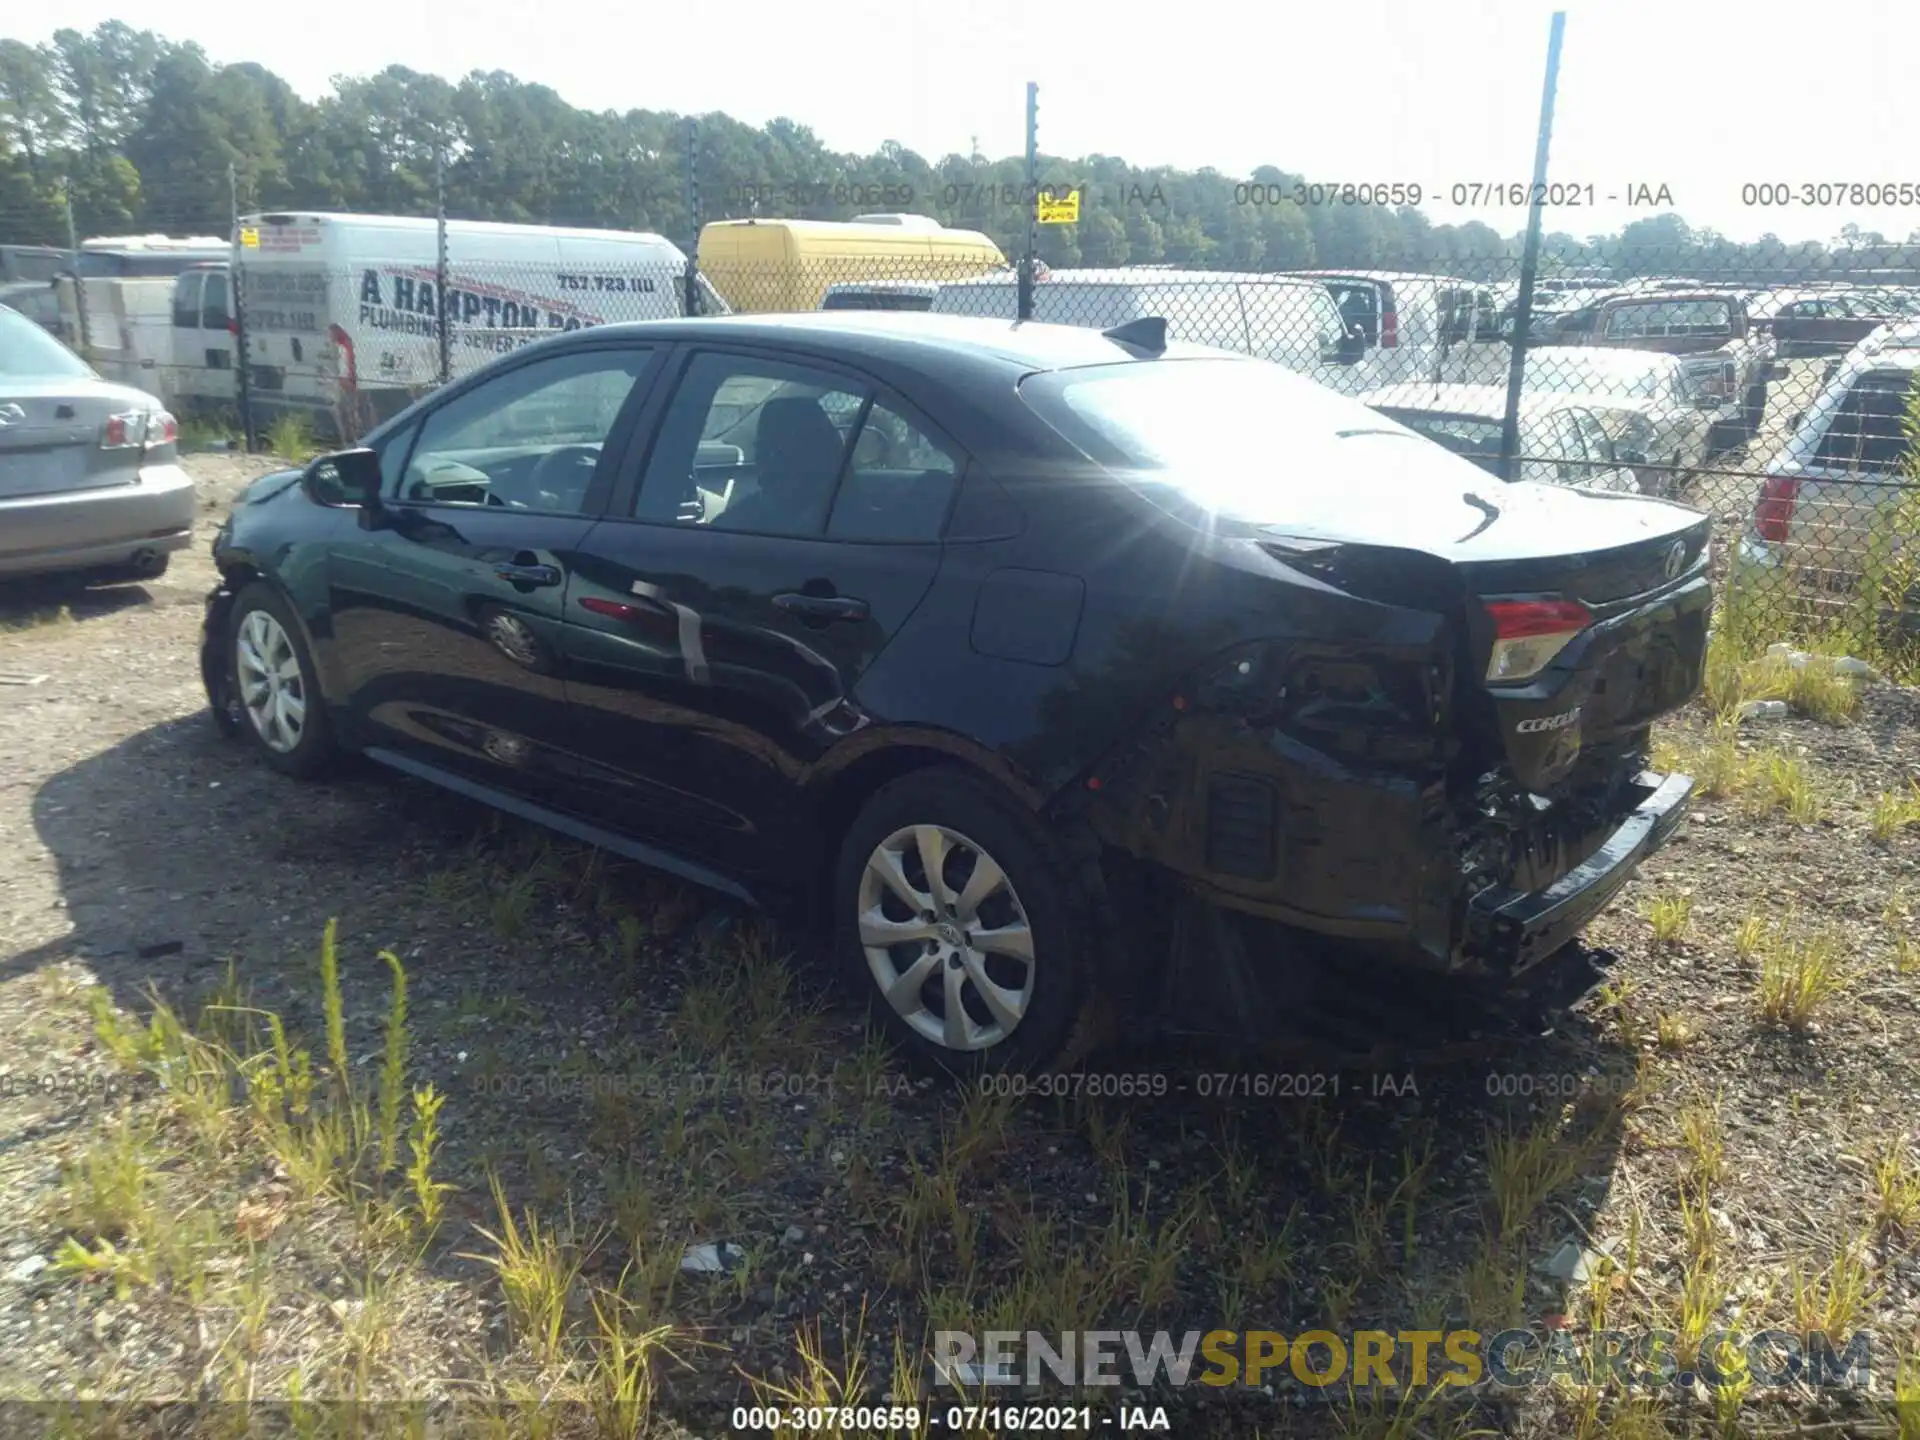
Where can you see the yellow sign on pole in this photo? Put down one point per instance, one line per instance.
(249, 238)
(1062, 209)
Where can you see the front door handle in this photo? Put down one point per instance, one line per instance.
(821, 607)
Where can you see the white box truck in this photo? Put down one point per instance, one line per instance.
(343, 313)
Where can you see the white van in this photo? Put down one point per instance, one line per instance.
(343, 314)
(125, 284)
(1282, 318)
(1421, 327)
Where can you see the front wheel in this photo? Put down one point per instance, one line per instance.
(271, 676)
(959, 923)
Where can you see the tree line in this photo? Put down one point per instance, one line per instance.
(128, 131)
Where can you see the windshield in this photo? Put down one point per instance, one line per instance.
(28, 352)
(1205, 429)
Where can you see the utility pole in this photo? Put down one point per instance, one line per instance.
(1031, 246)
(1530, 256)
(236, 271)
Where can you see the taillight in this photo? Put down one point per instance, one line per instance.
(349, 375)
(1773, 515)
(125, 431)
(162, 429)
(1389, 329)
(1527, 634)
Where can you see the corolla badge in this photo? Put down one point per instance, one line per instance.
(1676, 558)
(1547, 722)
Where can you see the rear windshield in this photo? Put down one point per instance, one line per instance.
(1868, 431)
(28, 352)
(1468, 436)
(1655, 318)
(1205, 428)
(877, 300)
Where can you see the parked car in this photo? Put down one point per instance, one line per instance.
(1000, 644)
(881, 295)
(1589, 442)
(89, 476)
(1843, 468)
(39, 302)
(1657, 384)
(1417, 327)
(1728, 366)
(1282, 318)
(1833, 323)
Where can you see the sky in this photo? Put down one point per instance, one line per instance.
(1703, 99)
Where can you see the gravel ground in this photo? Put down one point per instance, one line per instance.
(605, 1041)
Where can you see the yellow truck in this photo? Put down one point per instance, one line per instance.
(761, 265)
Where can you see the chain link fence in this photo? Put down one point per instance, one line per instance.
(1778, 401)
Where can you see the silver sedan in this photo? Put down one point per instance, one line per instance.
(90, 480)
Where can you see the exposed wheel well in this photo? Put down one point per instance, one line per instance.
(861, 780)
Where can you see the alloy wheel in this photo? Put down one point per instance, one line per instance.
(272, 690)
(946, 937)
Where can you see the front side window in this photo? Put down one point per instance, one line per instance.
(529, 439)
(186, 301)
(213, 308)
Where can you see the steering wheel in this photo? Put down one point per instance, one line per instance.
(561, 476)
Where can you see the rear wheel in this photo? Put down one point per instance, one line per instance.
(272, 677)
(961, 926)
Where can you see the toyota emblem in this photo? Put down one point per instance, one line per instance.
(1676, 558)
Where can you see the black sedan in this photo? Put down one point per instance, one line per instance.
(1034, 660)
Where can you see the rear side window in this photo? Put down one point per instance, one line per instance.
(898, 483)
(1868, 431)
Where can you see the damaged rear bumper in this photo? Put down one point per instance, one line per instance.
(1508, 931)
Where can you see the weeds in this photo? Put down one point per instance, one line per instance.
(1895, 1179)
(1797, 977)
(1893, 813)
(537, 1267)
(1830, 1302)
(1668, 915)
(292, 439)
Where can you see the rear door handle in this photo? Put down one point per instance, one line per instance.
(821, 607)
(527, 571)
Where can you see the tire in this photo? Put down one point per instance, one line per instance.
(311, 748)
(1044, 1015)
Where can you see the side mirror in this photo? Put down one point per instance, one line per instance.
(345, 479)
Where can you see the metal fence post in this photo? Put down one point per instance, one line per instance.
(79, 280)
(1031, 243)
(692, 305)
(443, 326)
(236, 272)
(1530, 256)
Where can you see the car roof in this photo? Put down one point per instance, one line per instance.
(1482, 402)
(911, 337)
(1398, 276)
(1137, 275)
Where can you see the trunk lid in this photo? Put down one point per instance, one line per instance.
(51, 433)
(1479, 550)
